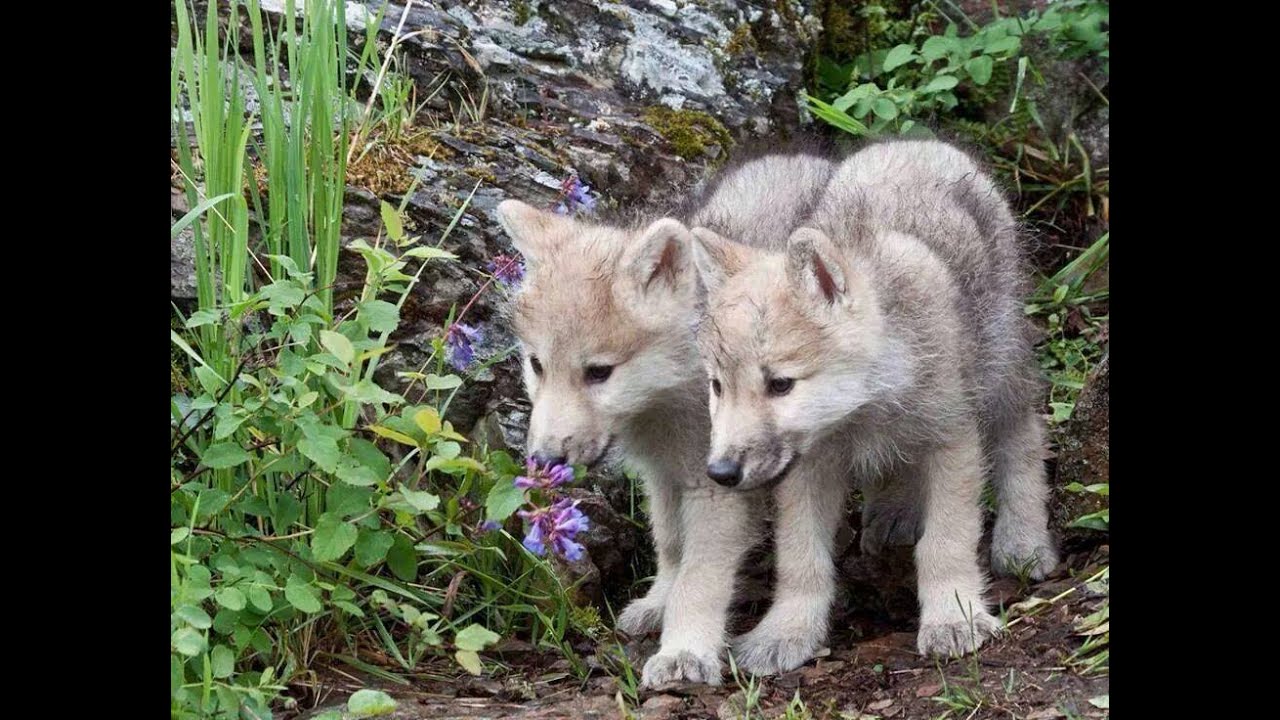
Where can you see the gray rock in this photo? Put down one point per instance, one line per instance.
(1084, 454)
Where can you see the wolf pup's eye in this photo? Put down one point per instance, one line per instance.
(598, 373)
(537, 366)
(715, 387)
(780, 386)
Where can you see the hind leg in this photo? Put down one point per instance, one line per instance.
(890, 514)
(1021, 542)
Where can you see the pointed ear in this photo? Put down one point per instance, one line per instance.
(718, 258)
(531, 230)
(814, 267)
(660, 256)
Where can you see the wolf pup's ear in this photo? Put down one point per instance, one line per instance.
(660, 257)
(814, 267)
(530, 229)
(718, 258)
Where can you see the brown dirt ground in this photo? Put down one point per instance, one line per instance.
(1024, 675)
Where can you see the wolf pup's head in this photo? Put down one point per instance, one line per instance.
(788, 340)
(603, 316)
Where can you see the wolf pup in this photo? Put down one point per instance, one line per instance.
(885, 340)
(605, 321)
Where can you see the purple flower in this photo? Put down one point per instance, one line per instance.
(487, 526)
(509, 270)
(460, 342)
(556, 526)
(575, 195)
(544, 477)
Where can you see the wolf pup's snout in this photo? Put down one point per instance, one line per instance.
(548, 459)
(725, 472)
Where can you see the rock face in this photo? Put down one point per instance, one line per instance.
(639, 98)
(1084, 452)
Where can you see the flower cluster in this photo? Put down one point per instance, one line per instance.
(460, 341)
(507, 269)
(556, 525)
(574, 196)
(543, 477)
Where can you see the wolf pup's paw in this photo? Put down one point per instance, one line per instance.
(769, 651)
(956, 637)
(1016, 556)
(681, 666)
(641, 616)
(887, 524)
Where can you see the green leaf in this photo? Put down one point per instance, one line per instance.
(230, 598)
(302, 595)
(503, 500)
(979, 69)
(370, 703)
(391, 222)
(194, 616)
(885, 108)
(204, 317)
(369, 392)
(178, 535)
(372, 547)
(196, 212)
(333, 538)
(899, 55)
(469, 661)
(940, 83)
(475, 637)
(322, 451)
(1003, 45)
(260, 597)
(328, 715)
(421, 500)
(353, 473)
(223, 661)
(403, 559)
(936, 47)
(393, 435)
(381, 315)
(346, 500)
(428, 253)
(224, 455)
(189, 642)
(428, 420)
(339, 345)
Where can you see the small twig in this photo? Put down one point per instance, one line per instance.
(209, 413)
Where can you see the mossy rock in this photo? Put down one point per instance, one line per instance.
(690, 132)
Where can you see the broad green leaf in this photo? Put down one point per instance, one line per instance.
(339, 345)
(333, 538)
(391, 222)
(388, 433)
(899, 55)
(178, 535)
(1003, 45)
(885, 108)
(189, 642)
(979, 69)
(940, 83)
(370, 703)
(429, 420)
(347, 500)
(475, 637)
(322, 451)
(403, 559)
(936, 47)
(204, 317)
(420, 499)
(469, 661)
(368, 392)
(260, 597)
(426, 252)
(224, 455)
(372, 547)
(453, 466)
(503, 500)
(194, 616)
(352, 472)
(381, 315)
(223, 662)
(436, 382)
(302, 595)
(230, 598)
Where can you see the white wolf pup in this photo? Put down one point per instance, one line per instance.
(885, 340)
(605, 320)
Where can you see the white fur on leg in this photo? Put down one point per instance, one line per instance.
(810, 505)
(1020, 538)
(953, 615)
(715, 524)
(644, 615)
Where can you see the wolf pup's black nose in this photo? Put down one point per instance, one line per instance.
(546, 460)
(725, 472)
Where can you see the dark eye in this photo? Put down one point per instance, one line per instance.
(715, 387)
(598, 373)
(537, 366)
(780, 386)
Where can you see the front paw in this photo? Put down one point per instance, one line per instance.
(771, 649)
(643, 616)
(1017, 556)
(886, 524)
(956, 636)
(681, 666)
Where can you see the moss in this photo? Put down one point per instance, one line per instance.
(481, 172)
(522, 11)
(688, 131)
(741, 41)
